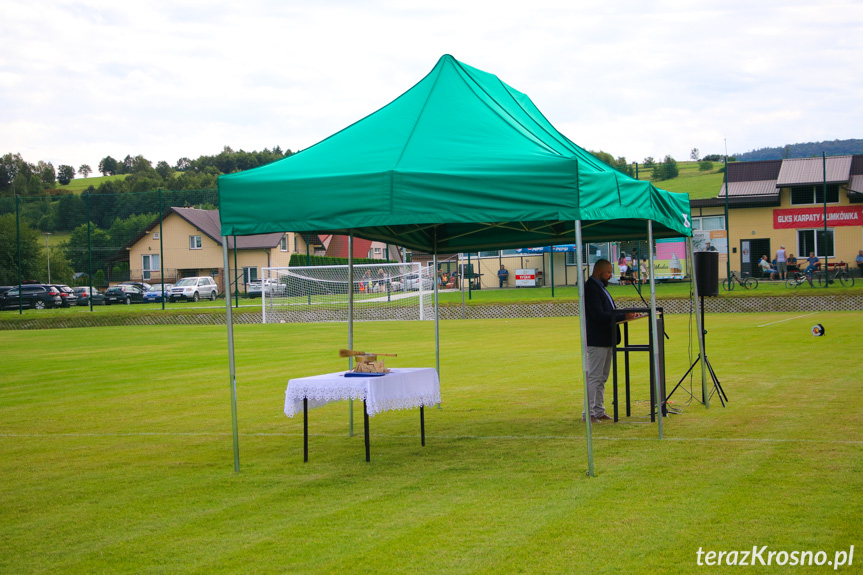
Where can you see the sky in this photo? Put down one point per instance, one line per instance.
(81, 80)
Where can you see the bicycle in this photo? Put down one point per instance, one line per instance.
(840, 274)
(797, 278)
(747, 283)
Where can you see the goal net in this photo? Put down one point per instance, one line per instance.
(395, 291)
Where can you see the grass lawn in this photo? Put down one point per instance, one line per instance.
(115, 453)
(80, 184)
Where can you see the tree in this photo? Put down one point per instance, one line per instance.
(77, 250)
(666, 170)
(65, 174)
(85, 170)
(126, 166)
(183, 164)
(32, 252)
(694, 154)
(140, 164)
(705, 166)
(123, 230)
(649, 162)
(34, 186)
(46, 173)
(108, 166)
(164, 169)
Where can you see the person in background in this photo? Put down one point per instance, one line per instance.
(792, 264)
(814, 263)
(766, 268)
(709, 247)
(781, 262)
(860, 261)
(502, 275)
(602, 330)
(621, 263)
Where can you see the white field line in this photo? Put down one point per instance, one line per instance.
(789, 319)
(446, 437)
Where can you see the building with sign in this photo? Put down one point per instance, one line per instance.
(777, 203)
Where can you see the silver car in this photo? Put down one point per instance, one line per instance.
(194, 288)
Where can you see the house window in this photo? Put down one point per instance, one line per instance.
(194, 242)
(814, 241)
(250, 275)
(296, 244)
(378, 251)
(155, 235)
(283, 244)
(709, 223)
(801, 195)
(149, 263)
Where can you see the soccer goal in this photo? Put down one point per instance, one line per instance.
(394, 291)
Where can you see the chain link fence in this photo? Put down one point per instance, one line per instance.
(794, 224)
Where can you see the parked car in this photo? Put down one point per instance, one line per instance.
(36, 296)
(124, 293)
(412, 283)
(67, 294)
(194, 288)
(83, 293)
(4, 289)
(272, 287)
(143, 286)
(154, 294)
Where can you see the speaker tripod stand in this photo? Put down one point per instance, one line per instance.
(716, 385)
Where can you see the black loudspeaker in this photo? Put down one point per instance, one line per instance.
(707, 273)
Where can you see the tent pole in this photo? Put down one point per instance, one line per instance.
(350, 323)
(229, 320)
(660, 399)
(436, 317)
(461, 284)
(700, 326)
(582, 317)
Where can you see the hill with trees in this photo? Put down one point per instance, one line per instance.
(805, 150)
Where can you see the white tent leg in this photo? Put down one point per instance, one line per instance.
(350, 324)
(653, 328)
(698, 324)
(582, 317)
(232, 370)
(436, 318)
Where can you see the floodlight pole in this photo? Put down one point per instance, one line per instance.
(48, 254)
(231, 364)
(824, 189)
(660, 398)
(583, 330)
(350, 323)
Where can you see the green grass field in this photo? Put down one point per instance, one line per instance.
(115, 453)
(80, 184)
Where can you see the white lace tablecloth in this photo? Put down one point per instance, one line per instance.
(402, 388)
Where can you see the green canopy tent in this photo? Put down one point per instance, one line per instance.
(461, 162)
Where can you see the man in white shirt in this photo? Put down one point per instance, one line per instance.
(781, 262)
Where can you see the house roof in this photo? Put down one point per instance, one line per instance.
(207, 222)
(802, 171)
(760, 182)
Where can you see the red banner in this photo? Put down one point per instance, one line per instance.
(814, 217)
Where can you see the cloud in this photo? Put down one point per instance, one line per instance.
(83, 79)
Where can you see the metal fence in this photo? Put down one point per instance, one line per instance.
(765, 218)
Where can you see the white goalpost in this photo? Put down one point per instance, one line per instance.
(385, 291)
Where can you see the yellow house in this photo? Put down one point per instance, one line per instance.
(188, 243)
(777, 203)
